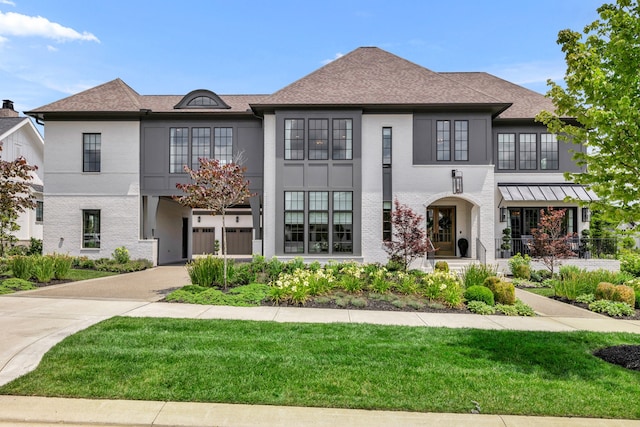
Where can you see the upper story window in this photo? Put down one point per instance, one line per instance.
(443, 140)
(294, 139)
(548, 151)
(202, 101)
(386, 146)
(461, 138)
(318, 139)
(342, 139)
(528, 151)
(200, 145)
(223, 145)
(39, 211)
(506, 151)
(91, 147)
(178, 149)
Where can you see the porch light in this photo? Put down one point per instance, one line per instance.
(456, 176)
(586, 214)
(503, 214)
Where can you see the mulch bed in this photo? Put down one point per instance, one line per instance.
(627, 356)
(586, 307)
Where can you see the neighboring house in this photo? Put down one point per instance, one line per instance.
(326, 157)
(19, 137)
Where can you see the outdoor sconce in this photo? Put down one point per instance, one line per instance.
(237, 219)
(586, 215)
(503, 214)
(456, 176)
(198, 219)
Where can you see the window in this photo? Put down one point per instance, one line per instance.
(318, 222)
(318, 139)
(39, 211)
(386, 221)
(200, 145)
(178, 149)
(294, 221)
(91, 143)
(386, 146)
(506, 151)
(223, 145)
(202, 101)
(461, 137)
(548, 151)
(443, 140)
(342, 139)
(528, 151)
(90, 228)
(294, 139)
(343, 221)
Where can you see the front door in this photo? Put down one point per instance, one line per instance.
(441, 229)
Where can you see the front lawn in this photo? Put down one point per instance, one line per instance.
(340, 365)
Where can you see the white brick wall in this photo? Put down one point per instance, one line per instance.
(269, 214)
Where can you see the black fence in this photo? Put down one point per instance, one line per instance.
(582, 247)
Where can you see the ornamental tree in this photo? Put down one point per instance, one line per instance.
(550, 244)
(600, 106)
(215, 187)
(15, 197)
(408, 239)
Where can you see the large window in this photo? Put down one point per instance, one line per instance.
(294, 139)
(39, 211)
(91, 146)
(343, 221)
(91, 228)
(461, 138)
(178, 149)
(223, 145)
(548, 151)
(528, 151)
(443, 140)
(200, 145)
(506, 151)
(342, 139)
(318, 139)
(294, 221)
(386, 146)
(318, 222)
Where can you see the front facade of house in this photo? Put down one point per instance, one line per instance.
(326, 156)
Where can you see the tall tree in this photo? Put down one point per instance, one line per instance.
(409, 239)
(602, 95)
(15, 197)
(215, 187)
(550, 244)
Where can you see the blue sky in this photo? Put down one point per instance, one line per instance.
(50, 49)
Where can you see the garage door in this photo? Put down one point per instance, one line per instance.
(203, 239)
(239, 241)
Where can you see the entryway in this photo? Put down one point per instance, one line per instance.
(441, 229)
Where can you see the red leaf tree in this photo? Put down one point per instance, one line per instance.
(409, 238)
(215, 187)
(550, 244)
(15, 197)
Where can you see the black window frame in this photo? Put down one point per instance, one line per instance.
(91, 230)
(528, 151)
(461, 141)
(91, 152)
(318, 131)
(506, 164)
(318, 208)
(200, 145)
(342, 232)
(39, 211)
(342, 139)
(387, 144)
(550, 161)
(443, 140)
(223, 144)
(294, 144)
(294, 233)
(178, 149)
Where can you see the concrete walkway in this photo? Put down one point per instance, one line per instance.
(32, 322)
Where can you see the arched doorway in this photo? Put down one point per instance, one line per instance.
(441, 229)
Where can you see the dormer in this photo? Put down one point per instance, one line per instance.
(202, 99)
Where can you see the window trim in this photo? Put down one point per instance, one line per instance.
(301, 140)
(313, 210)
(299, 209)
(91, 165)
(513, 151)
(204, 142)
(443, 136)
(218, 145)
(96, 235)
(39, 211)
(387, 146)
(311, 140)
(336, 243)
(532, 164)
(554, 142)
(184, 152)
(336, 138)
(465, 140)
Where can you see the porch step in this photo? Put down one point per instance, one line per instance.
(456, 265)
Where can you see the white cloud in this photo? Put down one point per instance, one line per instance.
(52, 48)
(9, 2)
(338, 55)
(15, 24)
(530, 73)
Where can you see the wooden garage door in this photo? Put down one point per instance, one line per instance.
(203, 239)
(238, 241)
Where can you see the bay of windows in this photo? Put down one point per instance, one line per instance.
(187, 149)
(530, 154)
(325, 139)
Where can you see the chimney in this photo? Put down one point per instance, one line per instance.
(7, 109)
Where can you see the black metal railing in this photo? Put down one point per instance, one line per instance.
(581, 247)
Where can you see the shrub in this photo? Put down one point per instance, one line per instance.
(295, 264)
(406, 284)
(15, 284)
(443, 286)
(121, 255)
(505, 293)
(520, 266)
(630, 263)
(61, 266)
(491, 282)
(273, 268)
(480, 307)
(206, 271)
(568, 270)
(441, 266)
(507, 309)
(540, 275)
(475, 274)
(395, 265)
(378, 279)
(22, 266)
(479, 293)
(586, 298)
(83, 262)
(43, 268)
(352, 277)
(243, 274)
(523, 309)
(522, 272)
(622, 293)
(299, 286)
(611, 308)
(605, 291)
(35, 247)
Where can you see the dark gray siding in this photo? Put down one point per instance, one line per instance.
(565, 149)
(424, 138)
(318, 175)
(155, 179)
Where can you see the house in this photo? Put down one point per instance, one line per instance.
(326, 156)
(20, 138)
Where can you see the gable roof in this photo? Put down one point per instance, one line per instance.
(372, 76)
(8, 123)
(526, 103)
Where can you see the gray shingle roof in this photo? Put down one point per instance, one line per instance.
(6, 123)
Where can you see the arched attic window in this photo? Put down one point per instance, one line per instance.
(202, 98)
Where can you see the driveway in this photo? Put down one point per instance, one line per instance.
(148, 285)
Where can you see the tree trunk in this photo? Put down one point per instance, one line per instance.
(224, 249)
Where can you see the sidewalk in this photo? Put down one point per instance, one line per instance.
(32, 322)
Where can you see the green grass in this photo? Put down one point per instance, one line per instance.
(339, 365)
(247, 295)
(545, 292)
(81, 274)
